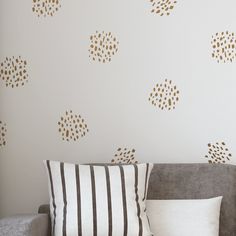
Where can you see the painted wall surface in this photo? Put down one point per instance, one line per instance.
(121, 81)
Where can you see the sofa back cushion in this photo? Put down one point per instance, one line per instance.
(198, 181)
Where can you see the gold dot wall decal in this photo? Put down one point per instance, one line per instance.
(103, 46)
(162, 7)
(125, 156)
(45, 7)
(3, 132)
(13, 71)
(224, 46)
(164, 96)
(72, 127)
(218, 153)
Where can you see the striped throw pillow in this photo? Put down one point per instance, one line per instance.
(94, 200)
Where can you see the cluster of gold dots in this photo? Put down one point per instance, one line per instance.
(13, 71)
(45, 7)
(103, 46)
(3, 132)
(162, 7)
(72, 127)
(164, 95)
(124, 156)
(224, 46)
(218, 153)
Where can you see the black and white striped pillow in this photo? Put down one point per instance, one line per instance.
(91, 200)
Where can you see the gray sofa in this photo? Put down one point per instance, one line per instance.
(190, 181)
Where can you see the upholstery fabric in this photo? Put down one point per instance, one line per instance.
(198, 181)
(24, 225)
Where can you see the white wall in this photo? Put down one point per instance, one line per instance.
(112, 97)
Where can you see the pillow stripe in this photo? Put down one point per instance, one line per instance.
(109, 201)
(124, 200)
(64, 198)
(78, 200)
(94, 201)
(53, 196)
(146, 180)
(137, 200)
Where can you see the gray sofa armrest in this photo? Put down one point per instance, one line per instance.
(45, 209)
(24, 225)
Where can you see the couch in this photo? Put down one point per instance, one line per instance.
(179, 181)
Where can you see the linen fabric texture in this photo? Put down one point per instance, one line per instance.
(184, 217)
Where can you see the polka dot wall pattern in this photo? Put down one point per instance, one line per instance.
(45, 7)
(218, 153)
(103, 46)
(165, 95)
(124, 155)
(162, 7)
(13, 71)
(3, 133)
(72, 127)
(224, 46)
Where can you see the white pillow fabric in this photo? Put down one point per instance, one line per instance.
(92, 200)
(184, 217)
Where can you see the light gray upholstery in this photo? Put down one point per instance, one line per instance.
(195, 181)
(24, 225)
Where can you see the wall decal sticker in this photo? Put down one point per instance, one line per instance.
(3, 132)
(124, 155)
(164, 95)
(224, 46)
(45, 7)
(218, 153)
(103, 46)
(162, 7)
(13, 71)
(72, 127)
